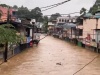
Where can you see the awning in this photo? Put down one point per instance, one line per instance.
(69, 25)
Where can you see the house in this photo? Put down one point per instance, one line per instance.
(79, 27)
(70, 30)
(89, 27)
(62, 19)
(4, 13)
(26, 31)
(51, 27)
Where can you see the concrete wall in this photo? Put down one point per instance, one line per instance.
(88, 27)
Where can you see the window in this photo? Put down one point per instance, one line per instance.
(14, 13)
(59, 20)
(62, 20)
(80, 32)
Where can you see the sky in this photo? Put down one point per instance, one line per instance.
(69, 7)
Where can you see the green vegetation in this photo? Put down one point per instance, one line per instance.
(4, 5)
(45, 24)
(36, 13)
(54, 16)
(8, 35)
(83, 11)
(24, 12)
(95, 7)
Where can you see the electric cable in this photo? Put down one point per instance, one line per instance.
(43, 37)
(55, 4)
(86, 65)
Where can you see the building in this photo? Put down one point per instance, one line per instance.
(51, 27)
(65, 27)
(4, 13)
(89, 28)
(67, 19)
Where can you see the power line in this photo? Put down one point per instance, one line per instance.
(86, 65)
(66, 14)
(51, 6)
(55, 5)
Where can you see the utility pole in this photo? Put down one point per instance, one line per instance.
(6, 44)
(97, 27)
(33, 23)
(8, 16)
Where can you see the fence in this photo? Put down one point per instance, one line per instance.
(12, 51)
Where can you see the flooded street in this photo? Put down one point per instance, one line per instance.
(53, 57)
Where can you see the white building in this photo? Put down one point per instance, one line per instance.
(66, 19)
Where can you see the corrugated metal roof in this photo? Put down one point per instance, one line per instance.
(88, 15)
(69, 25)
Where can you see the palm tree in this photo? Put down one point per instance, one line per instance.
(8, 35)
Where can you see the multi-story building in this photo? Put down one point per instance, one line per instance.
(65, 26)
(90, 28)
(66, 19)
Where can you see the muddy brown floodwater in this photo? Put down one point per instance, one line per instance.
(52, 57)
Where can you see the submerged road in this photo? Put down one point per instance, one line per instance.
(53, 57)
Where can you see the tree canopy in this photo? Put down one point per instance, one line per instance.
(15, 7)
(36, 13)
(45, 24)
(95, 7)
(54, 16)
(24, 12)
(7, 34)
(83, 11)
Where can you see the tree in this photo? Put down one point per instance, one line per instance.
(15, 7)
(83, 11)
(23, 12)
(40, 19)
(8, 35)
(95, 7)
(45, 24)
(54, 16)
(4, 5)
(36, 13)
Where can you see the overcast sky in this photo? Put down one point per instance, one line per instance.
(69, 7)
